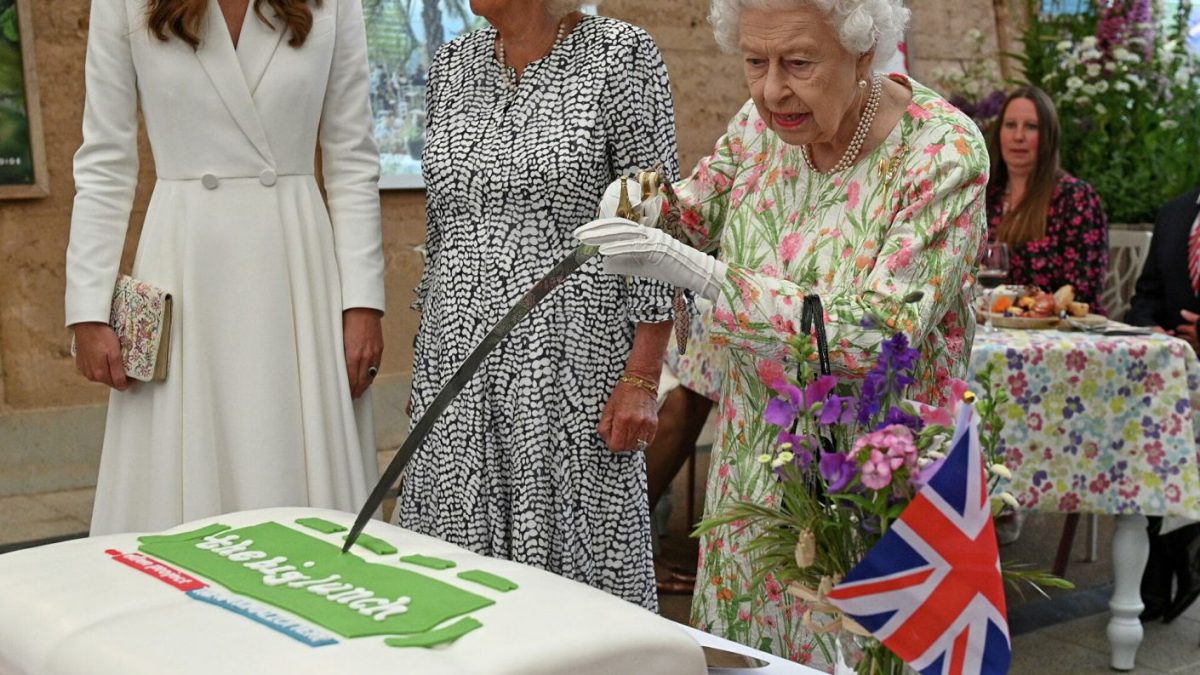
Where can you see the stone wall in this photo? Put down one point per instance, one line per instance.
(36, 370)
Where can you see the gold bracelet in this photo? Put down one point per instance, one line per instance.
(640, 383)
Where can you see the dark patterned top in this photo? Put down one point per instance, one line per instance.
(1075, 248)
(515, 468)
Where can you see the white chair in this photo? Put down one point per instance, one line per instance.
(1127, 251)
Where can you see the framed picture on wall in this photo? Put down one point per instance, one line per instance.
(402, 37)
(22, 153)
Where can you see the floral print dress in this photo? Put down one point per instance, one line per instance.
(908, 217)
(1075, 248)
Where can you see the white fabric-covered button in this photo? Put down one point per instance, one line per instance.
(267, 177)
(209, 181)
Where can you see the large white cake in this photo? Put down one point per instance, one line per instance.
(259, 597)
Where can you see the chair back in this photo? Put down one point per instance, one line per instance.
(1127, 251)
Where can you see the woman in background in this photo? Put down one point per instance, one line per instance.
(539, 458)
(1053, 223)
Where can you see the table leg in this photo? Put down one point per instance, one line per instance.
(1131, 548)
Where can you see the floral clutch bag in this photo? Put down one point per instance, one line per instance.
(141, 317)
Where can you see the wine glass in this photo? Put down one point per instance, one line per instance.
(993, 270)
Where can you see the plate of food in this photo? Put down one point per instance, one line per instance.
(1031, 308)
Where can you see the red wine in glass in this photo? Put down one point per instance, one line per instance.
(990, 279)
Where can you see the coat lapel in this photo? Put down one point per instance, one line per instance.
(256, 46)
(224, 69)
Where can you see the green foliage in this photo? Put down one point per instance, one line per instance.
(1130, 113)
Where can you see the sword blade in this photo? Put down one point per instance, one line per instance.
(553, 279)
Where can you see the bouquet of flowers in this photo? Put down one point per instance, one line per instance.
(848, 459)
(1126, 87)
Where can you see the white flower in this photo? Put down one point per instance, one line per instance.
(1064, 45)
(1088, 42)
(1101, 86)
(1136, 80)
(1167, 125)
(1088, 89)
(1090, 55)
(1182, 77)
(934, 454)
(1083, 100)
(1120, 85)
(1093, 70)
(1100, 109)
(1122, 54)
(924, 461)
(1074, 83)
(1001, 471)
(764, 459)
(1007, 498)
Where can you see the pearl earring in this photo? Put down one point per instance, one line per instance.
(862, 84)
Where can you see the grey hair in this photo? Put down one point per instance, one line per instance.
(561, 8)
(859, 24)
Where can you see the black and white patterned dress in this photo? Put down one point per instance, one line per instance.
(515, 468)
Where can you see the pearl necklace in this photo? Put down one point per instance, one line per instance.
(860, 133)
(510, 74)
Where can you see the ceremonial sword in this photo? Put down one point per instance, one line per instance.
(553, 279)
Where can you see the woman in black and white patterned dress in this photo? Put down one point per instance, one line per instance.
(538, 460)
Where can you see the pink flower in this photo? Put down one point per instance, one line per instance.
(877, 472)
(790, 247)
(901, 259)
(852, 194)
(771, 373)
(890, 448)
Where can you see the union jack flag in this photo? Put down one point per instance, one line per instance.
(930, 590)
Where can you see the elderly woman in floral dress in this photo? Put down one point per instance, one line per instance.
(832, 180)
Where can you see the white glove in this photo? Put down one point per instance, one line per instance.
(632, 249)
(648, 210)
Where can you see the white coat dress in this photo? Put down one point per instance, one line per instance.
(256, 409)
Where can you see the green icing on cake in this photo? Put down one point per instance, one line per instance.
(205, 531)
(488, 579)
(427, 561)
(374, 544)
(320, 525)
(311, 578)
(437, 637)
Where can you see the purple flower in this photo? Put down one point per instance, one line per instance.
(891, 374)
(819, 390)
(990, 105)
(837, 470)
(896, 415)
(780, 413)
(802, 447)
(837, 410)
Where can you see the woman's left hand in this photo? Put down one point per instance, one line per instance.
(630, 418)
(362, 333)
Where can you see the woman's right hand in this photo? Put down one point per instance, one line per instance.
(647, 212)
(98, 355)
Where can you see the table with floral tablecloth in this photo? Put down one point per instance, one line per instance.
(1101, 423)
(1098, 423)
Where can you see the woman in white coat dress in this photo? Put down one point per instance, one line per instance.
(277, 301)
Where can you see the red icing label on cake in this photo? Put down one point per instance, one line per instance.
(164, 573)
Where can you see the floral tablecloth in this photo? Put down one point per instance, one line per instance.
(1096, 423)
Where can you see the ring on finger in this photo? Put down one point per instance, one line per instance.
(642, 444)
(372, 371)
